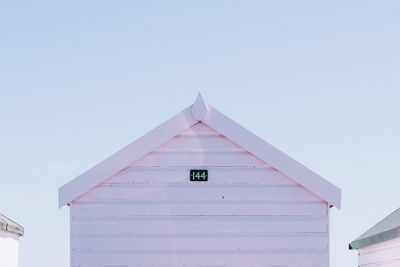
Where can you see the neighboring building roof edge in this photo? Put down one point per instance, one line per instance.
(10, 226)
(374, 239)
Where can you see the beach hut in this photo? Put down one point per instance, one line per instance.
(199, 190)
(380, 245)
(10, 232)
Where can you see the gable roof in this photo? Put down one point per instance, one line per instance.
(199, 111)
(10, 226)
(386, 229)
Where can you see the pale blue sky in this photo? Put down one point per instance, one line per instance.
(81, 79)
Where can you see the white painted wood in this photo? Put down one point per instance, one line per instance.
(162, 134)
(183, 258)
(207, 148)
(186, 142)
(381, 254)
(200, 242)
(217, 175)
(381, 246)
(199, 159)
(9, 247)
(198, 130)
(199, 108)
(197, 192)
(204, 224)
(208, 208)
(245, 215)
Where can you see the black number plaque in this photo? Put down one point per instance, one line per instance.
(198, 175)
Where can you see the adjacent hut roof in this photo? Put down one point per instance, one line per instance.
(200, 112)
(387, 229)
(9, 225)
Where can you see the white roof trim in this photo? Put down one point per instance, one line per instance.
(200, 111)
(199, 108)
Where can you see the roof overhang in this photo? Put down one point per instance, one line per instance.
(374, 239)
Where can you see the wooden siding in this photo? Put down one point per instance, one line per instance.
(8, 249)
(385, 254)
(247, 214)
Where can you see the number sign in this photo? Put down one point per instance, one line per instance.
(198, 175)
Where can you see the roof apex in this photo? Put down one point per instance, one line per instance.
(199, 108)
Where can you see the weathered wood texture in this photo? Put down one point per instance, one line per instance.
(247, 214)
(385, 254)
(8, 249)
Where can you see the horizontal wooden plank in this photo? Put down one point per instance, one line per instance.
(200, 242)
(227, 258)
(198, 159)
(120, 208)
(379, 256)
(8, 251)
(380, 246)
(9, 243)
(216, 175)
(7, 259)
(198, 224)
(214, 142)
(200, 129)
(197, 191)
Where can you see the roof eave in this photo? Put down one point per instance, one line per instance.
(10, 226)
(375, 239)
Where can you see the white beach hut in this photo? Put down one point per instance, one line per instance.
(199, 190)
(380, 245)
(10, 232)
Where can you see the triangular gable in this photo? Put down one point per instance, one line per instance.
(200, 111)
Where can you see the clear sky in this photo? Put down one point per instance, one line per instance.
(81, 79)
